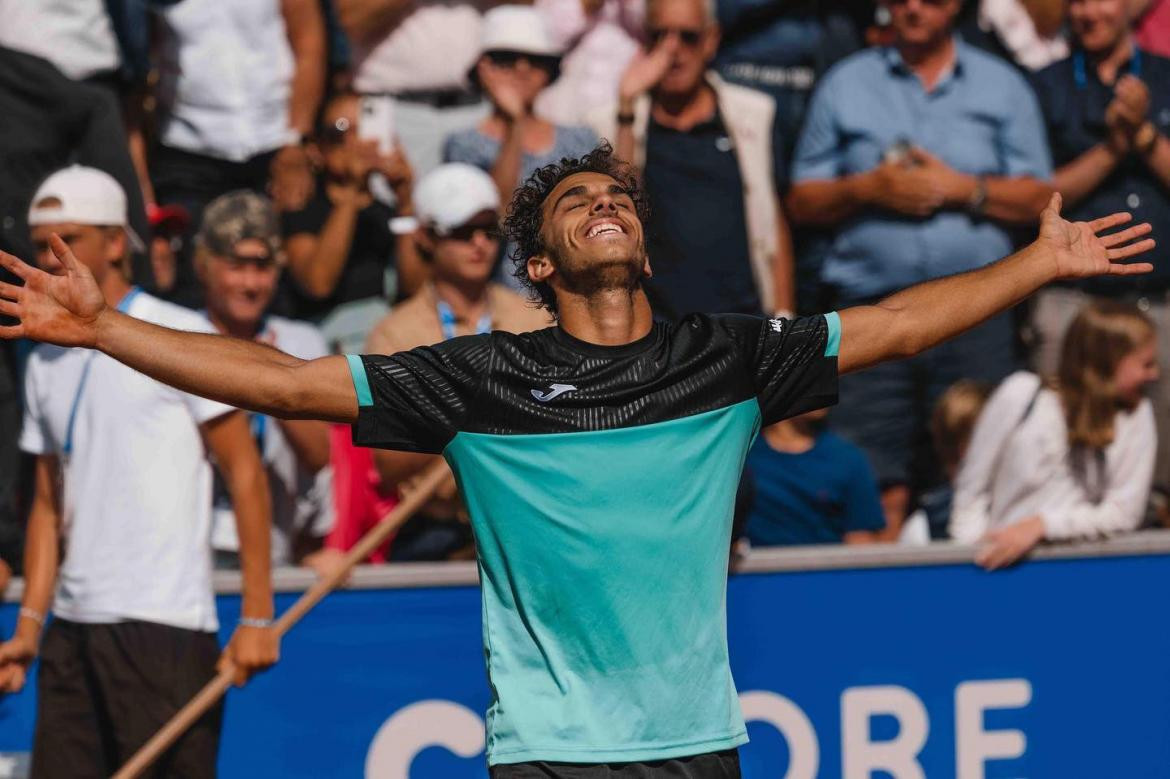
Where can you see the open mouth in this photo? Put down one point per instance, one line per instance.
(605, 228)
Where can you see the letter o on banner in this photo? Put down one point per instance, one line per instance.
(804, 755)
(413, 728)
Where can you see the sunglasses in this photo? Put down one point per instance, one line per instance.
(335, 133)
(490, 230)
(509, 59)
(689, 36)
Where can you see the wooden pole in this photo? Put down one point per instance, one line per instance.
(187, 716)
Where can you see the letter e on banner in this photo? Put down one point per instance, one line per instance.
(974, 746)
(420, 725)
(804, 755)
(898, 756)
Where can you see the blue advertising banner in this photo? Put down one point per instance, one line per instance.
(1053, 669)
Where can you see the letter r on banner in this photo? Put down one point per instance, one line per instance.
(860, 756)
(974, 746)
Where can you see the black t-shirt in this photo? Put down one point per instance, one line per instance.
(370, 254)
(1073, 101)
(697, 232)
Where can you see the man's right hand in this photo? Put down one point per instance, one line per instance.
(906, 189)
(646, 70)
(16, 655)
(63, 309)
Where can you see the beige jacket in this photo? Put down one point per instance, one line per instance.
(748, 116)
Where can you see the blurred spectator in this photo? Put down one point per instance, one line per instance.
(1108, 113)
(123, 486)
(811, 487)
(716, 238)
(918, 186)
(951, 425)
(783, 47)
(599, 38)
(340, 245)
(51, 121)
(239, 87)
(1030, 33)
(77, 36)
(238, 257)
(1070, 458)
(458, 213)
(517, 61)
(1152, 25)
(419, 52)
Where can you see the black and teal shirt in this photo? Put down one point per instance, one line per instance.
(600, 482)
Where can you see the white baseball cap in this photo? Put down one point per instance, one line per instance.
(448, 197)
(517, 28)
(85, 196)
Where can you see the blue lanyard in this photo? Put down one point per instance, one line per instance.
(123, 307)
(1081, 75)
(447, 321)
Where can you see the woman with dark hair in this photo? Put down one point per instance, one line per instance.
(518, 61)
(1068, 457)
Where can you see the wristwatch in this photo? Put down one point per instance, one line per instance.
(978, 197)
(625, 118)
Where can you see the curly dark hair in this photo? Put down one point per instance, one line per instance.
(526, 212)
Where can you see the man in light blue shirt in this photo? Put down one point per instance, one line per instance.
(919, 156)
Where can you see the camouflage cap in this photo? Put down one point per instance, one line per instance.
(238, 216)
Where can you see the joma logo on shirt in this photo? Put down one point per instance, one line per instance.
(554, 391)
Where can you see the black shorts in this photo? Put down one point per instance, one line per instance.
(104, 689)
(712, 765)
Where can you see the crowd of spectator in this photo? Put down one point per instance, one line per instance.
(329, 176)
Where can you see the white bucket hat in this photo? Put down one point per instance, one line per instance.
(517, 28)
(448, 197)
(85, 196)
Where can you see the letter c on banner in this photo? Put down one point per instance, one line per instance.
(420, 725)
(804, 754)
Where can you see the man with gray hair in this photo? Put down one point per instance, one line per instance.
(239, 258)
(123, 485)
(698, 140)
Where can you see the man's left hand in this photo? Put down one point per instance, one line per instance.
(1004, 546)
(250, 651)
(956, 187)
(1079, 250)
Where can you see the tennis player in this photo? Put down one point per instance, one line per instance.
(598, 458)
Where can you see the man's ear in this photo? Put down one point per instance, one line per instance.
(422, 236)
(540, 268)
(646, 272)
(200, 262)
(711, 41)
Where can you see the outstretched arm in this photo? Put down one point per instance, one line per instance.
(69, 310)
(925, 315)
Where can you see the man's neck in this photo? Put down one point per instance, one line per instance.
(468, 301)
(1108, 63)
(685, 110)
(931, 61)
(114, 287)
(790, 437)
(610, 317)
(245, 330)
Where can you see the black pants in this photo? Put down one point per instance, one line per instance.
(193, 181)
(713, 765)
(104, 689)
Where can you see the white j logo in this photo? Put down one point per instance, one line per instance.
(554, 391)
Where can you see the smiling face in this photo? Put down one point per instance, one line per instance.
(1098, 25)
(241, 285)
(1136, 371)
(593, 237)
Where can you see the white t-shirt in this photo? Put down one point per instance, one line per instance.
(301, 501)
(137, 485)
(1018, 465)
(225, 78)
(75, 35)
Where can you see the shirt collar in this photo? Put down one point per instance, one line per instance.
(897, 65)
